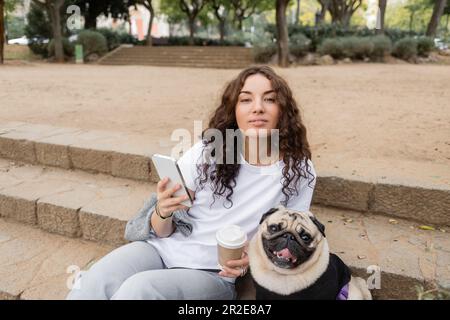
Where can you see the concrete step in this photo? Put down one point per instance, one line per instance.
(403, 255)
(384, 189)
(37, 265)
(177, 65)
(72, 203)
(198, 57)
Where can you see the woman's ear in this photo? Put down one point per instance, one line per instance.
(268, 213)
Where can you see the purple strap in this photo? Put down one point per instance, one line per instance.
(343, 294)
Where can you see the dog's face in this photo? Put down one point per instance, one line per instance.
(290, 237)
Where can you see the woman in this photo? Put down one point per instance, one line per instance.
(173, 254)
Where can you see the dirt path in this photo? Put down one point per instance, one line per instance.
(394, 115)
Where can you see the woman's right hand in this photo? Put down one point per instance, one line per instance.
(166, 203)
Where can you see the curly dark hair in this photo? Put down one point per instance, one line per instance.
(293, 144)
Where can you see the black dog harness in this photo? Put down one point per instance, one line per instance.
(332, 285)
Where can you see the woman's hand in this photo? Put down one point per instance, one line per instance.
(167, 204)
(236, 268)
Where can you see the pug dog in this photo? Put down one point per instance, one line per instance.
(290, 259)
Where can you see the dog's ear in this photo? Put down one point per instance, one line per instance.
(319, 225)
(268, 213)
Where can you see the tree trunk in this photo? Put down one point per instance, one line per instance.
(191, 31)
(323, 10)
(90, 21)
(222, 30)
(55, 15)
(282, 33)
(411, 21)
(382, 7)
(2, 30)
(149, 41)
(438, 9)
(297, 13)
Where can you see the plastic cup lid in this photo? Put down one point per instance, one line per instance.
(231, 237)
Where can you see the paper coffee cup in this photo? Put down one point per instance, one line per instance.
(230, 243)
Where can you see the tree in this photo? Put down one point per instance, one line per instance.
(282, 33)
(342, 10)
(297, 13)
(92, 9)
(149, 6)
(382, 11)
(2, 30)
(53, 8)
(447, 14)
(221, 10)
(244, 9)
(324, 5)
(9, 7)
(191, 9)
(438, 9)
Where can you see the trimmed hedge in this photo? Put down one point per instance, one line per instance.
(92, 42)
(405, 48)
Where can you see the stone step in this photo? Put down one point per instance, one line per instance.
(406, 193)
(179, 58)
(38, 265)
(402, 255)
(72, 203)
(195, 57)
(176, 65)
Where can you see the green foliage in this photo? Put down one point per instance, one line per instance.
(113, 38)
(198, 41)
(263, 54)
(333, 47)
(68, 48)
(299, 44)
(38, 29)
(92, 42)
(424, 46)
(126, 38)
(405, 48)
(15, 27)
(382, 46)
(375, 47)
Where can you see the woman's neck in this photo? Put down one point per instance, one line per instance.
(258, 151)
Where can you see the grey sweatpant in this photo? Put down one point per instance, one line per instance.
(136, 271)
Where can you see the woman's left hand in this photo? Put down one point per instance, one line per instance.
(236, 268)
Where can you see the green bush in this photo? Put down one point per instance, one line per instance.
(126, 38)
(263, 54)
(424, 46)
(405, 48)
(92, 42)
(299, 44)
(38, 29)
(382, 46)
(333, 47)
(356, 47)
(111, 36)
(68, 48)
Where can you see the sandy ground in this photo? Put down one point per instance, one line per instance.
(387, 115)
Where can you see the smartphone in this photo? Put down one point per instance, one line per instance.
(167, 167)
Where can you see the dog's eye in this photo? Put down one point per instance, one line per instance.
(274, 228)
(305, 237)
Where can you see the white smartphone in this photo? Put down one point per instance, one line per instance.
(168, 167)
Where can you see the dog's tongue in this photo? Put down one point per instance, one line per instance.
(285, 253)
